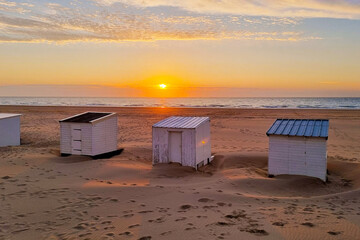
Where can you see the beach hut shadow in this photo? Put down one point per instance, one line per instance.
(61, 158)
(257, 162)
(108, 155)
(171, 170)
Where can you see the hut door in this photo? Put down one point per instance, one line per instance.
(175, 145)
(76, 139)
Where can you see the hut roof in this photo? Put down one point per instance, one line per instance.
(181, 122)
(87, 117)
(300, 128)
(8, 115)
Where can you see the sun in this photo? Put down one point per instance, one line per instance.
(162, 86)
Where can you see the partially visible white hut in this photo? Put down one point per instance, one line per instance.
(298, 147)
(89, 133)
(185, 140)
(9, 129)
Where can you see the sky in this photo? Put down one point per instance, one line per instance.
(197, 48)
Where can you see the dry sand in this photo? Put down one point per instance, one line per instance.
(45, 196)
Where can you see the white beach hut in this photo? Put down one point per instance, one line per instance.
(89, 133)
(9, 129)
(185, 140)
(298, 147)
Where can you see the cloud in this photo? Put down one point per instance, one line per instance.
(285, 8)
(66, 91)
(7, 3)
(53, 22)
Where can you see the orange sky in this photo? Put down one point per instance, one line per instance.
(189, 47)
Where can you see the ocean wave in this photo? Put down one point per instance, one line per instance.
(351, 106)
(266, 103)
(134, 105)
(96, 104)
(274, 106)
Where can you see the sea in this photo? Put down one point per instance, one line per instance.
(277, 103)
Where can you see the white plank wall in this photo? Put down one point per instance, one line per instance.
(161, 145)
(278, 156)
(10, 131)
(188, 156)
(193, 150)
(298, 156)
(104, 136)
(316, 158)
(97, 138)
(86, 139)
(203, 143)
(65, 138)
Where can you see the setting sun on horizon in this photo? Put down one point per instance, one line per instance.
(198, 49)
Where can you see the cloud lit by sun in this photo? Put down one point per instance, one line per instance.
(162, 86)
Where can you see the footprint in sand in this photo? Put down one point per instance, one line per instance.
(186, 207)
(257, 232)
(279, 224)
(221, 204)
(108, 228)
(133, 226)
(236, 215)
(146, 211)
(145, 238)
(158, 220)
(224, 224)
(125, 233)
(81, 226)
(308, 224)
(166, 233)
(85, 234)
(163, 210)
(20, 230)
(190, 228)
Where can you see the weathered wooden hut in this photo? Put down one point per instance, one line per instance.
(9, 129)
(89, 133)
(298, 147)
(184, 140)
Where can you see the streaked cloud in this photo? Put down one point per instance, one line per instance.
(287, 8)
(130, 21)
(66, 91)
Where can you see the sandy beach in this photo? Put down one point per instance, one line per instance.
(45, 196)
